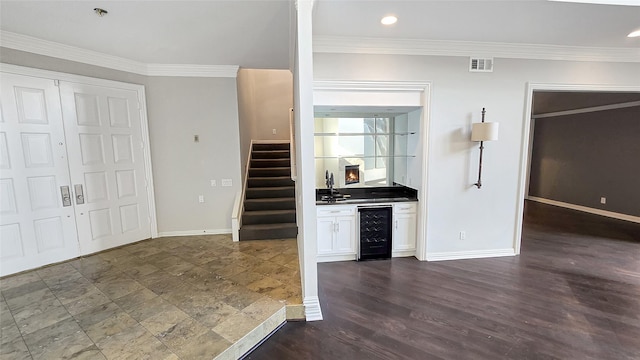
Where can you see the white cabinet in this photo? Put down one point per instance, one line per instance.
(404, 229)
(336, 233)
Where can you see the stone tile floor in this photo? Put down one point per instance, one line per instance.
(169, 298)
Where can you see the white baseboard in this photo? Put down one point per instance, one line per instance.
(331, 258)
(312, 310)
(403, 253)
(589, 210)
(194, 232)
(472, 254)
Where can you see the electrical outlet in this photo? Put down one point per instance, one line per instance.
(603, 200)
(273, 131)
(213, 183)
(463, 235)
(201, 198)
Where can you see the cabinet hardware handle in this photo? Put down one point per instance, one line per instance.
(337, 227)
(335, 211)
(396, 224)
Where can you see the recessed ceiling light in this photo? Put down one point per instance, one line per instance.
(389, 20)
(634, 34)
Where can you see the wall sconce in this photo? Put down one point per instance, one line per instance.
(484, 131)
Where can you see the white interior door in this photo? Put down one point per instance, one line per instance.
(103, 127)
(35, 227)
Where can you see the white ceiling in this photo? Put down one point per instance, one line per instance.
(255, 34)
(529, 22)
(252, 34)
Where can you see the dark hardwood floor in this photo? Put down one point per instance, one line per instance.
(573, 293)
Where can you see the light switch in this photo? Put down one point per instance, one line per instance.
(213, 183)
(227, 182)
(201, 198)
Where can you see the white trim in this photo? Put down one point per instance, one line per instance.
(611, 214)
(73, 78)
(194, 232)
(332, 258)
(312, 310)
(236, 216)
(588, 110)
(403, 253)
(72, 53)
(472, 254)
(527, 138)
(424, 89)
(368, 45)
(146, 149)
(144, 120)
(49, 48)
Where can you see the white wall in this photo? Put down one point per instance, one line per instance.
(488, 215)
(180, 108)
(264, 100)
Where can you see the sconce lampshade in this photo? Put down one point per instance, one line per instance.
(485, 131)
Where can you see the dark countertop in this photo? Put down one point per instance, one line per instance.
(367, 195)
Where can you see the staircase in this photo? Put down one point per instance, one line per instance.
(269, 203)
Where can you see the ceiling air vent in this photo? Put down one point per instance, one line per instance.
(481, 65)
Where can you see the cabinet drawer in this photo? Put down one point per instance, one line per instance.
(404, 208)
(331, 210)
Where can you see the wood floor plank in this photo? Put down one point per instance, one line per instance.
(573, 293)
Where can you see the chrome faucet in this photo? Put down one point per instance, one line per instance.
(329, 181)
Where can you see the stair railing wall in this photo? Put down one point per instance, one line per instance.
(238, 207)
(292, 144)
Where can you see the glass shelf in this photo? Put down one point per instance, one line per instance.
(364, 134)
(363, 157)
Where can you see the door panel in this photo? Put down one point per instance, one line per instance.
(104, 125)
(35, 228)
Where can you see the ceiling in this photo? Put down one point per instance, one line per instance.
(515, 21)
(251, 34)
(256, 34)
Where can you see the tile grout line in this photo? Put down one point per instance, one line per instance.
(16, 323)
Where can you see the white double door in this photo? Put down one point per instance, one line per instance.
(73, 178)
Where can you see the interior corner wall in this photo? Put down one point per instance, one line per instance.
(264, 100)
(181, 108)
(178, 108)
(487, 215)
(579, 158)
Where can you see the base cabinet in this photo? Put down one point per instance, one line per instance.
(404, 229)
(336, 233)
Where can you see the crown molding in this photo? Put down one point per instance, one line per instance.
(364, 45)
(61, 51)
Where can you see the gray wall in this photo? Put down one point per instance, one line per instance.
(489, 216)
(579, 158)
(178, 108)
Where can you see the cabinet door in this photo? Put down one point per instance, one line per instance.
(404, 232)
(345, 234)
(325, 233)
